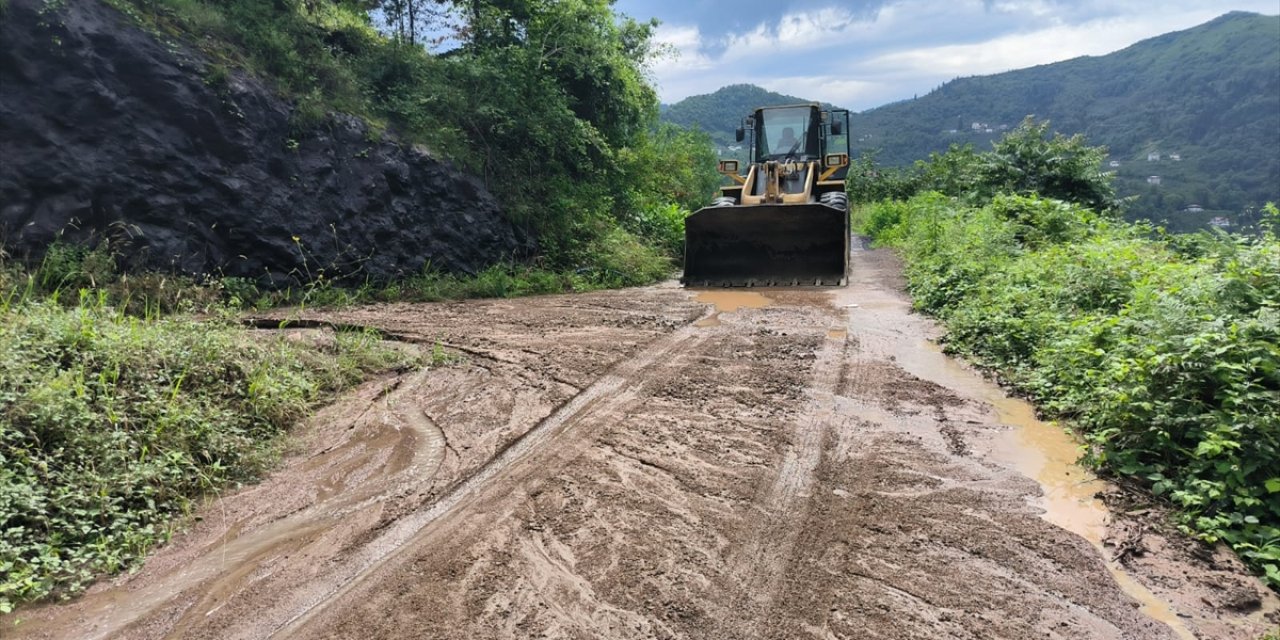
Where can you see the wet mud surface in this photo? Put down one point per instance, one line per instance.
(663, 463)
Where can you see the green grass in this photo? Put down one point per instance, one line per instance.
(125, 399)
(498, 281)
(617, 259)
(112, 425)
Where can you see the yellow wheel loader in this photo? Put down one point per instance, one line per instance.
(785, 220)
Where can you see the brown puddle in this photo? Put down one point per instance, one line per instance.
(1047, 454)
(728, 302)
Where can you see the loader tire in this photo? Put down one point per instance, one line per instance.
(836, 199)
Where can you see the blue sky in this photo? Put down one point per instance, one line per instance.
(864, 53)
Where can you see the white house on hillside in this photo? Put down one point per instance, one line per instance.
(1154, 156)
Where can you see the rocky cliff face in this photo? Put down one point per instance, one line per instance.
(106, 132)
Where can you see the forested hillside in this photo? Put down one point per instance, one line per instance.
(1206, 100)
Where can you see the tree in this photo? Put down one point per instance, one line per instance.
(1026, 161)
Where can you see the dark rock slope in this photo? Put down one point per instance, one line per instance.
(108, 132)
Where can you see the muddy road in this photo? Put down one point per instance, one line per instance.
(661, 463)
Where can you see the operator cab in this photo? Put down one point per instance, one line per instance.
(787, 134)
(794, 133)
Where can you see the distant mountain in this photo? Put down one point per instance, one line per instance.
(720, 113)
(1206, 101)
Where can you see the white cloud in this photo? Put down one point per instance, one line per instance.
(1043, 46)
(1036, 8)
(685, 44)
(813, 28)
(679, 36)
(909, 47)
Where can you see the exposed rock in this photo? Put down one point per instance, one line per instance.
(106, 131)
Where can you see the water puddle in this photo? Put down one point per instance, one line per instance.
(1047, 454)
(728, 302)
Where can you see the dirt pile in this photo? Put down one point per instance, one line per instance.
(108, 131)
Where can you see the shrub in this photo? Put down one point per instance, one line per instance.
(868, 182)
(1026, 161)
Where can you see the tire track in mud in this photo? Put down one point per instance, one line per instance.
(940, 411)
(599, 399)
(762, 564)
(532, 358)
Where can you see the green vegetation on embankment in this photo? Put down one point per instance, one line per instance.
(548, 102)
(113, 424)
(125, 398)
(1163, 351)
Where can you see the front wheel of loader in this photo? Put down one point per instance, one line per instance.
(836, 199)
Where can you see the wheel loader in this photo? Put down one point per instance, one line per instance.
(784, 220)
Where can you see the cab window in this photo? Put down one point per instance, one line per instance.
(783, 132)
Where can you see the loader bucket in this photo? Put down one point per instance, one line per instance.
(766, 245)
